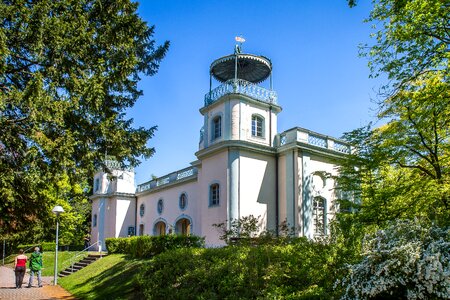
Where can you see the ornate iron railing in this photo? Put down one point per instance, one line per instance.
(172, 177)
(240, 86)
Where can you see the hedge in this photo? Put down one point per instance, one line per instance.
(300, 270)
(49, 246)
(148, 246)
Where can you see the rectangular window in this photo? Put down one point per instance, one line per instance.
(214, 195)
(319, 216)
(96, 184)
(217, 127)
(131, 230)
(257, 126)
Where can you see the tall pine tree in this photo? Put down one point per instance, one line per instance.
(68, 72)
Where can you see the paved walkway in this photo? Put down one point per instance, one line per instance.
(48, 291)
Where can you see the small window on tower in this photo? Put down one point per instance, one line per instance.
(96, 184)
(217, 127)
(257, 126)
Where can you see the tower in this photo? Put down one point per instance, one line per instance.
(113, 203)
(237, 139)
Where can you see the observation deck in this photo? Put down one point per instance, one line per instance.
(240, 73)
(242, 87)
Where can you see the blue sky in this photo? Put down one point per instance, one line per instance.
(321, 82)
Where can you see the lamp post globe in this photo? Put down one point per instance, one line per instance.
(57, 210)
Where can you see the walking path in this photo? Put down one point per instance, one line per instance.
(48, 291)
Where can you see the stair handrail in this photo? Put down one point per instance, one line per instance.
(25, 251)
(72, 259)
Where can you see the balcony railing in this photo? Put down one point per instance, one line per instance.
(243, 87)
(171, 178)
(314, 139)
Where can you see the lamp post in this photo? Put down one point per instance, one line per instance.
(57, 210)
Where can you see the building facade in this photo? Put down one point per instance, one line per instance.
(244, 167)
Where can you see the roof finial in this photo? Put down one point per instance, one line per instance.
(238, 47)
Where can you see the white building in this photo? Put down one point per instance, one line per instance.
(244, 167)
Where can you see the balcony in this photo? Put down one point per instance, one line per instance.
(242, 87)
(180, 175)
(308, 137)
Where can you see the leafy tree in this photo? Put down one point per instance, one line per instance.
(402, 169)
(68, 72)
(412, 39)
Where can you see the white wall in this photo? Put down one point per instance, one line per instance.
(125, 214)
(214, 170)
(257, 188)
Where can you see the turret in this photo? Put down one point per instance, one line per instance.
(239, 108)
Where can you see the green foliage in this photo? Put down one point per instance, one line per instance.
(402, 169)
(117, 245)
(68, 73)
(404, 261)
(300, 270)
(412, 39)
(247, 231)
(149, 246)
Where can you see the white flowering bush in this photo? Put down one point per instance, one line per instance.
(404, 261)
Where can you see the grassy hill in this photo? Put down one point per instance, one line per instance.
(111, 277)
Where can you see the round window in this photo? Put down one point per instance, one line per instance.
(160, 206)
(142, 210)
(183, 201)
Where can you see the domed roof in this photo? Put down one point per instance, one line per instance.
(252, 68)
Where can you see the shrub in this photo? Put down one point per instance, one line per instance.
(300, 270)
(404, 261)
(117, 245)
(45, 246)
(148, 246)
(48, 246)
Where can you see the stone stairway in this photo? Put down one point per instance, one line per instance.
(81, 264)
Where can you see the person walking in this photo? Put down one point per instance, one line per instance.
(35, 267)
(20, 266)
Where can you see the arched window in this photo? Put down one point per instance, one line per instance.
(319, 216)
(94, 221)
(217, 127)
(160, 228)
(183, 201)
(142, 210)
(183, 226)
(160, 206)
(257, 126)
(214, 194)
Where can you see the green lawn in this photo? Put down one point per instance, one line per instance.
(48, 260)
(111, 277)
